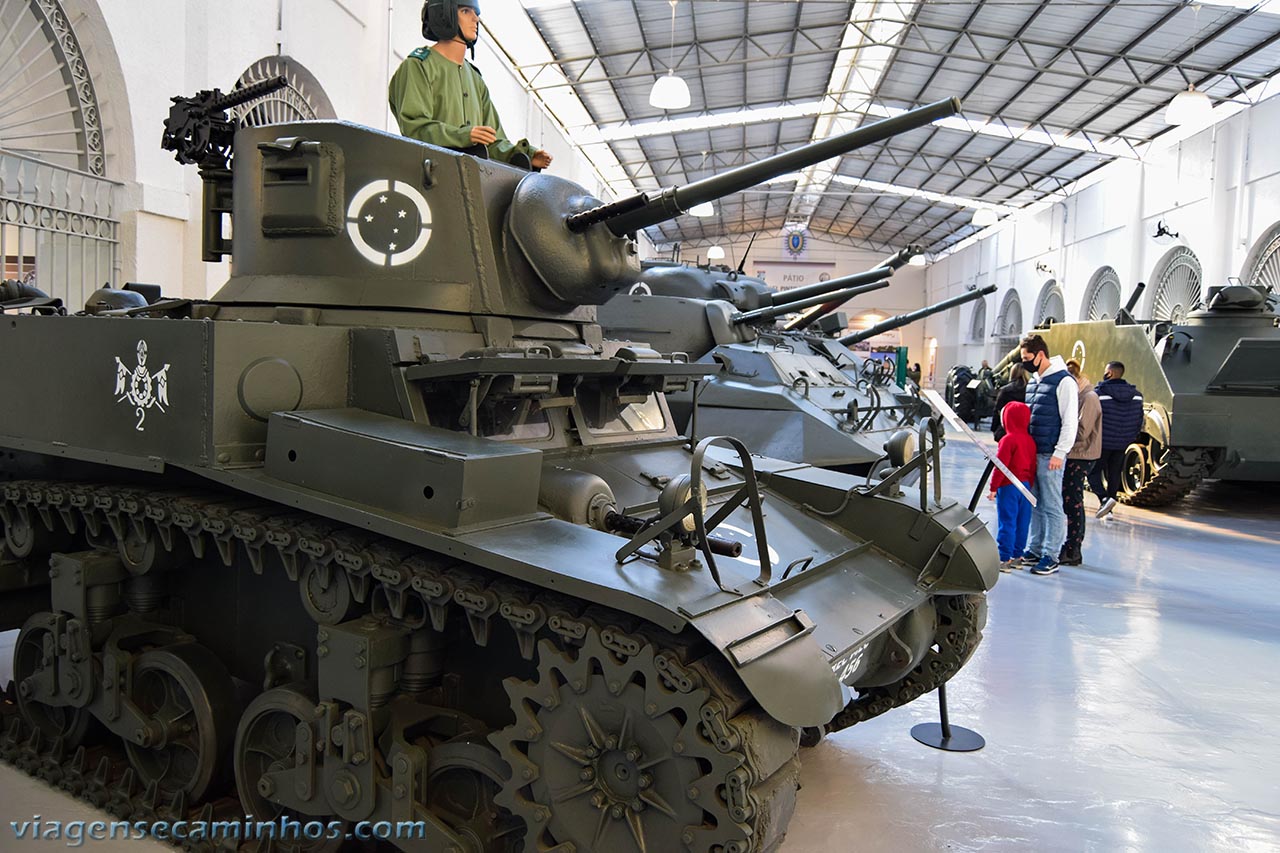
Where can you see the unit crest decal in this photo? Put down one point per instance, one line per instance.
(141, 388)
(389, 222)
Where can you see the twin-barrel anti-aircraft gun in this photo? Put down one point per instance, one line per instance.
(792, 389)
(386, 530)
(1210, 383)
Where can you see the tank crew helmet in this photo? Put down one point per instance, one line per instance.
(440, 20)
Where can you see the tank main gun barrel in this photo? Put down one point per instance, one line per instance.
(894, 262)
(763, 314)
(1134, 297)
(826, 288)
(640, 211)
(919, 314)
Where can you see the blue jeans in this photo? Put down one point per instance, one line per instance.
(1014, 513)
(1048, 519)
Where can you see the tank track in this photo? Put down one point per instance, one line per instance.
(1181, 470)
(748, 765)
(961, 620)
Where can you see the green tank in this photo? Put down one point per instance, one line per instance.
(386, 531)
(790, 390)
(1210, 385)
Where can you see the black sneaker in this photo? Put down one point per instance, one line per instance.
(1027, 559)
(1070, 559)
(1046, 566)
(1104, 510)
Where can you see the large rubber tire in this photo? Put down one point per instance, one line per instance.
(1181, 469)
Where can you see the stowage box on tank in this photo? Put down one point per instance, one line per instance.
(386, 530)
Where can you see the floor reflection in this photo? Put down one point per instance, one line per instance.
(1127, 703)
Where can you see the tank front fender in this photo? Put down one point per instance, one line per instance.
(773, 649)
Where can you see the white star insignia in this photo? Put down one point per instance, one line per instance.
(402, 214)
(382, 199)
(395, 230)
(368, 217)
(392, 247)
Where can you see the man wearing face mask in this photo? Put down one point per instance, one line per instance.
(440, 98)
(1054, 398)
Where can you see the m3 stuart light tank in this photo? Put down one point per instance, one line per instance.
(386, 531)
(1210, 385)
(784, 390)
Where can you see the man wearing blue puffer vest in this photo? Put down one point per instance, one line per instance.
(1053, 398)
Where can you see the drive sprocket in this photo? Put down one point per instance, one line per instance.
(611, 752)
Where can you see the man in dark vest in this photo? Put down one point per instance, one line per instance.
(1053, 397)
(439, 97)
(1122, 417)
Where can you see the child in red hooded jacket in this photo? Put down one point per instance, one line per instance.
(1017, 450)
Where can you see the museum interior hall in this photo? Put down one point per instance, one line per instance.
(639, 426)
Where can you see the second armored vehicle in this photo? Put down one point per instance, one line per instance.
(792, 394)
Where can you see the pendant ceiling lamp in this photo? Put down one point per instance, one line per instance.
(715, 253)
(704, 209)
(1189, 107)
(670, 92)
(983, 217)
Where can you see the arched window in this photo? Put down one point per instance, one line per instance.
(978, 321)
(1009, 323)
(1049, 304)
(1175, 285)
(1262, 266)
(58, 225)
(1102, 297)
(303, 99)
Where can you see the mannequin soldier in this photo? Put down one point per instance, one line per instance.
(439, 97)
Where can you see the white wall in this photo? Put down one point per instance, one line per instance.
(168, 48)
(1219, 189)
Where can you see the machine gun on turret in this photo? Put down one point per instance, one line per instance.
(198, 129)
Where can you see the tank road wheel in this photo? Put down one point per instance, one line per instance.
(265, 741)
(961, 619)
(190, 700)
(611, 754)
(463, 780)
(1135, 470)
(32, 653)
(326, 595)
(26, 536)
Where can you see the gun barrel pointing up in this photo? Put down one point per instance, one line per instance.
(763, 314)
(827, 288)
(641, 211)
(910, 317)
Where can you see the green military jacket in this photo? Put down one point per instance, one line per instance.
(438, 102)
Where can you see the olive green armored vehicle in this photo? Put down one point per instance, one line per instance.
(1210, 385)
(386, 531)
(786, 389)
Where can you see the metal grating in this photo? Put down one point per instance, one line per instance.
(1009, 323)
(1262, 267)
(1102, 296)
(1050, 306)
(1177, 285)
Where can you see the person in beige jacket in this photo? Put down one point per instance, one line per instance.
(1080, 459)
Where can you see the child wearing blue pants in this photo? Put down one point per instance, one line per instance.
(1017, 450)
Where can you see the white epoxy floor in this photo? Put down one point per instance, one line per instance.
(1128, 704)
